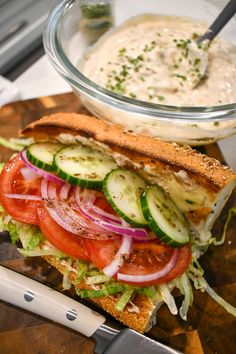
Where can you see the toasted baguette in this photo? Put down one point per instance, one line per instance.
(200, 185)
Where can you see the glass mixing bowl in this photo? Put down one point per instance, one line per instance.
(65, 42)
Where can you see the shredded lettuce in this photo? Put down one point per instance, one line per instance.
(149, 291)
(97, 279)
(7, 224)
(183, 284)
(105, 290)
(219, 242)
(82, 268)
(195, 273)
(124, 299)
(229, 308)
(30, 237)
(168, 298)
(66, 283)
(199, 248)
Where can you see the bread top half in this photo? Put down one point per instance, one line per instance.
(200, 185)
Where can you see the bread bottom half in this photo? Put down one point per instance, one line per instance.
(140, 320)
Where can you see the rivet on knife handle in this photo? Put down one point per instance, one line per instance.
(44, 301)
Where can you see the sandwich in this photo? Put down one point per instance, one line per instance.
(124, 217)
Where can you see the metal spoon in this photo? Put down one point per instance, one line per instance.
(226, 14)
(197, 51)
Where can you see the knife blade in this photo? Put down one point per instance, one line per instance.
(40, 299)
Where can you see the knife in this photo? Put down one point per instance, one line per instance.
(35, 297)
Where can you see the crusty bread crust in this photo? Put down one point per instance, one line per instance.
(138, 321)
(203, 169)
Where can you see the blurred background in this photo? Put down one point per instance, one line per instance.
(21, 27)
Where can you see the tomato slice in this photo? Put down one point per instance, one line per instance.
(103, 204)
(12, 181)
(64, 241)
(145, 258)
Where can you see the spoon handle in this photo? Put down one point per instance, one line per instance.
(225, 15)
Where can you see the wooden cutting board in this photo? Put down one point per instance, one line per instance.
(209, 329)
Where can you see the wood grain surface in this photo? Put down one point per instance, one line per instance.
(209, 329)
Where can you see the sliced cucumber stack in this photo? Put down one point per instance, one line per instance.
(83, 166)
(41, 154)
(123, 189)
(164, 218)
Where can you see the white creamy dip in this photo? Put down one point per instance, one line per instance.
(147, 58)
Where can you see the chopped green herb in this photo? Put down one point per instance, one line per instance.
(95, 10)
(122, 50)
(182, 77)
(189, 201)
(197, 61)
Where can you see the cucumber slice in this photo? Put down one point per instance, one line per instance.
(41, 154)
(123, 189)
(83, 166)
(164, 217)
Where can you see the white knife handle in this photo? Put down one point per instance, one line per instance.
(30, 295)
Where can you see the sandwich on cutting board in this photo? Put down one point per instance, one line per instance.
(124, 217)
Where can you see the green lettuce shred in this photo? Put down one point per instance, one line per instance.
(66, 283)
(195, 273)
(30, 237)
(105, 290)
(228, 307)
(168, 298)
(7, 224)
(82, 268)
(221, 241)
(183, 284)
(97, 279)
(124, 299)
(149, 291)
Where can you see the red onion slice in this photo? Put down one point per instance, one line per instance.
(124, 250)
(153, 276)
(52, 210)
(28, 174)
(23, 196)
(63, 214)
(88, 197)
(64, 191)
(118, 229)
(47, 175)
(62, 211)
(107, 216)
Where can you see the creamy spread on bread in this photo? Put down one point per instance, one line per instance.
(149, 58)
(199, 206)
